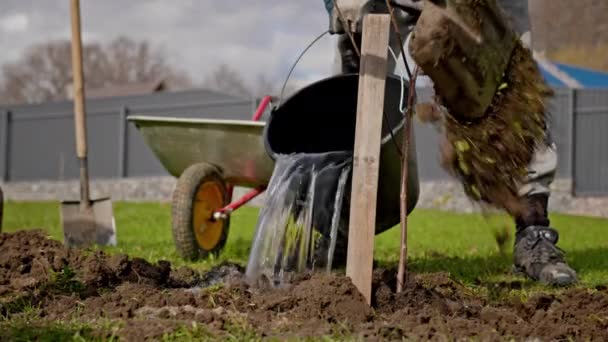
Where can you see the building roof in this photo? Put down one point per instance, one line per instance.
(127, 89)
(571, 76)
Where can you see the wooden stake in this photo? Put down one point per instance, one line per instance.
(372, 82)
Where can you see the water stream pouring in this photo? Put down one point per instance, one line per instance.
(302, 210)
(304, 221)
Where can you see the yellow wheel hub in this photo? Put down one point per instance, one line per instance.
(208, 199)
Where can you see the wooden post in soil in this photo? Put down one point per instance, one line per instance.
(366, 160)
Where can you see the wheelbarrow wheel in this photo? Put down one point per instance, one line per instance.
(199, 192)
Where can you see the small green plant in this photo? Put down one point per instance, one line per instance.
(23, 330)
(63, 282)
(194, 332)
(20, 305)
(238, 329)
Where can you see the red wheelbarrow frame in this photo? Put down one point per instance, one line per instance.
(224, 212)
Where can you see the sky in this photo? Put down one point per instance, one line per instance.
(254, 37)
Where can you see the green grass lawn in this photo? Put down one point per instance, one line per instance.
(461, 244)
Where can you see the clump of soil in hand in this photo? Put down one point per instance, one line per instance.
(491, 155)
(493, 95)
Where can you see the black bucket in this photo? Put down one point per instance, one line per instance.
(322, 117)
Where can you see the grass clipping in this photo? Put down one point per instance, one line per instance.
(491, 155)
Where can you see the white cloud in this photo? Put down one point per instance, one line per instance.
(255, 37)
(14, 23)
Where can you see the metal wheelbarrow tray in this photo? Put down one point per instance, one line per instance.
(209, 158)
(234, 145)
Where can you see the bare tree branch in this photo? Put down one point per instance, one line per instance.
(44, 72)
(226, 80)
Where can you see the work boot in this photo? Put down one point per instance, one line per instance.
(535, 253)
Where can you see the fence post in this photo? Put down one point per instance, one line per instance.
(572, 113)
(122, 142)
(4, 145)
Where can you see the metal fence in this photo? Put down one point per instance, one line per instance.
(590, 142)
(37, 141)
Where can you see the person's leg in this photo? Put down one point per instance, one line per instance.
(346, 55)
(535, 252)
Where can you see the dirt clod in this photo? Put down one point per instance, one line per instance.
(491, 155)
(149, 301)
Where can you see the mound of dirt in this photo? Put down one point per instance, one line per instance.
(31, 262)
(153, 300)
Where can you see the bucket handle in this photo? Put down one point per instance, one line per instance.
(293, 66)
(402, 76)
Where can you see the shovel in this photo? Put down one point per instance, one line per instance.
(87, 221)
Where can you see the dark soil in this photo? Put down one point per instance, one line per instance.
(153, 300)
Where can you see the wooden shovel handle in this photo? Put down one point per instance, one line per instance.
(78, 82)
(79, 108)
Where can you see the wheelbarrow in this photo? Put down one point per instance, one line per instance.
(211, 157)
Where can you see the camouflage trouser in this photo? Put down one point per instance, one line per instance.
(542, 169)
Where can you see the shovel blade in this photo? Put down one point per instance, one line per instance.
(95, 225)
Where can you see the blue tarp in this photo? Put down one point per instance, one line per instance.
(588, 78)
